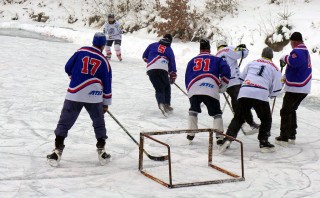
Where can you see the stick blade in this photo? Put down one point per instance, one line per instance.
(158, 158)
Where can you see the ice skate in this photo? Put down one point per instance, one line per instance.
(55, 157)
(224, 146)
(254, 129)
(163, 109)
(292, 140)
(266, 147)
(190, 137)
(219, 141)
(281, 141)
(168, 108)
(119, 57)
(103, 157)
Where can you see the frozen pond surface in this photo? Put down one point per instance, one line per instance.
(33, 86)
(28, 34)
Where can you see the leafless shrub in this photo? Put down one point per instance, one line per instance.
(222, 7)
(280, 36)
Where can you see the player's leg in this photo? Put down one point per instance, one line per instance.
(117, 48)
(96, 113)
(68, 117)
(108, 49)
(195, 102)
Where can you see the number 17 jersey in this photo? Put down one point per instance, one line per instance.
(90, 75)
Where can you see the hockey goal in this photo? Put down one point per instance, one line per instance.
(233, 177)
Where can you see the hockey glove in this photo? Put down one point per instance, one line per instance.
(173, 77)
(242, 46)
(105, 108)
(282, 63)
(223, 87)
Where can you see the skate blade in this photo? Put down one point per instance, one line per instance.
(52, 162)
(164, 113)
(291, 141)
(281, 143)
(267, 150)
(104, 162)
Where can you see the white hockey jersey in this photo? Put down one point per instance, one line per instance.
(262, 79)
(231, 55)
(113, 31)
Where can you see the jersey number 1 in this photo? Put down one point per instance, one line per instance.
(85, 67)
(199, 63)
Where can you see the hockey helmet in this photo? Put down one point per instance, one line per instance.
(111, 16)
(221, 43)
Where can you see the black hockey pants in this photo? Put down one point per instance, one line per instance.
(262, 109)
(233, 93)
(291, 102)
(160, 81)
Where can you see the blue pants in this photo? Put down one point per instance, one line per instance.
(70, 113)
(160, 81)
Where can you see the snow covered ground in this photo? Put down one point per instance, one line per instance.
(33, 86)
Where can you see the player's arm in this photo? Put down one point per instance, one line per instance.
(225, 72)
(70, 64)
(107, 85)
(295, 59)
(146, 54)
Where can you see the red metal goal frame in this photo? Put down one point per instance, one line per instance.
(234, 177)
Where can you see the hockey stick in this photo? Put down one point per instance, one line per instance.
(181, 89)
(241, 58)
(225, 104)
(227, 101)
(155, 158)
(274, 102)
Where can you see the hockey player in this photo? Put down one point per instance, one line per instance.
(205, 75)
(113, 32)
(90, 87)
(298, 76)
(231, 55)
(161, 69)
(262, 80)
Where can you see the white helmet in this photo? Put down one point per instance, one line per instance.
(221, 43)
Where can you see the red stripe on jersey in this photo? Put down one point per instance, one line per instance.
(83, 85)
(203, 76)
(294, 84)
(154, 60)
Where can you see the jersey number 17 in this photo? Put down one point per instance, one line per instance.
(92, 61)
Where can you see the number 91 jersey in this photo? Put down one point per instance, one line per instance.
(90, 75)
(204, 75)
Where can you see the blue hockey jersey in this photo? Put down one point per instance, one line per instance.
(204, 74)
(160, 56)
(299, 70)
(90, 75)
